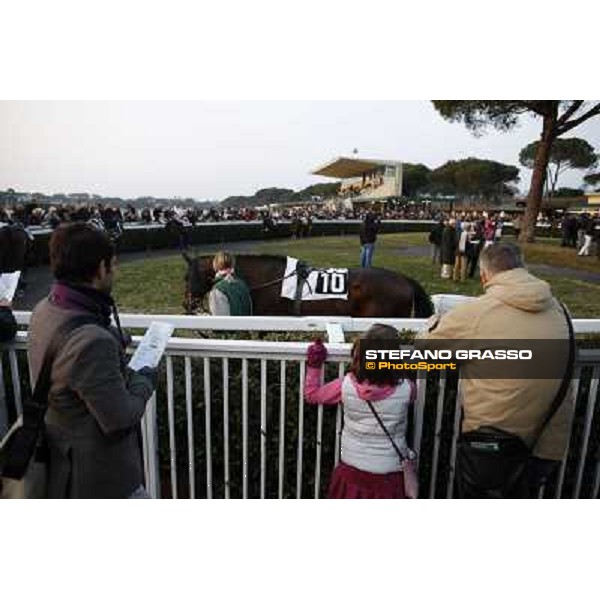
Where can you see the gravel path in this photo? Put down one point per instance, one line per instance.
(568, 272)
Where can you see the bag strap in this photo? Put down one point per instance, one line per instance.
(566, 381)
(34, 408)
(385, 430)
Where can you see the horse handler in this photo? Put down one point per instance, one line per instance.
(229, 295)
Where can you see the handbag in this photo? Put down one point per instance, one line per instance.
(407, 463)
(493, 463)
(23, 452)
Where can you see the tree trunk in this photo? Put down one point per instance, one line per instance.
(554, 180)
(538, 178)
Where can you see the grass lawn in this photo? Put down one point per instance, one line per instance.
(151, 286)
(156, 285)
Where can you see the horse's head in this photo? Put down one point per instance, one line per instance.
(199, 280)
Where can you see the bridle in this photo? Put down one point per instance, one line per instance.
(274, 281)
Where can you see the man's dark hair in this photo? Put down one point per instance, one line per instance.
(500, 257)
(77, 250)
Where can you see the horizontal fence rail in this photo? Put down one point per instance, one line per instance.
(228, 418)
(39, 230)
(306, 324)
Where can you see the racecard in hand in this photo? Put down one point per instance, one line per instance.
(8, 285)
(152, 346)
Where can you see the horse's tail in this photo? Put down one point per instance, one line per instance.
(421, 302)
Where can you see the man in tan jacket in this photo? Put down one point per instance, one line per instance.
(516, 306)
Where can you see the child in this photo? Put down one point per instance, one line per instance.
(370, 465)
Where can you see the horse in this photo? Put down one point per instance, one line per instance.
(372, 292)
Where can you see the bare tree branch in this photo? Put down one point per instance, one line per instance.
(595, 110)
(570, 111)
(540, 107)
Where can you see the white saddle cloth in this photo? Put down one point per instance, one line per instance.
(321, 284)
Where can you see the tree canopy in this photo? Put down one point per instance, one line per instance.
(475, 178)
(324, 190)
(566, 154)
(503, 115)
(593, 179)
(276, 195)
(415, 178)
(558, 117)
(567, 192)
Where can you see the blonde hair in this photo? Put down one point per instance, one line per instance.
(223, 260)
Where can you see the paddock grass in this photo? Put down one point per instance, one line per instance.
(151, 286)
(157, 285)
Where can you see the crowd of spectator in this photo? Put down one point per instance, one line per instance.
(576, 230)
(457, 238)
(52, 215)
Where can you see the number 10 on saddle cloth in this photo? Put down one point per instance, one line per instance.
(319, 284)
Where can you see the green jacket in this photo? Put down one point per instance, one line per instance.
(238, 294)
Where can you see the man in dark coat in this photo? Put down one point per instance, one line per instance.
(435, 239)
(96, 402)
(8, 325)
(368, 237)
(474, 246)
(448, 249)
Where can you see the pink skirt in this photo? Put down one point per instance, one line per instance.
(354, 484)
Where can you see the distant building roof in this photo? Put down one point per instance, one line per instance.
(593, 198)
(343, 167)
(564, 201)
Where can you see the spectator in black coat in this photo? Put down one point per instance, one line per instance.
(368, 237)
(474, 246)
(435, 239)
(448, 249)
(8, 324)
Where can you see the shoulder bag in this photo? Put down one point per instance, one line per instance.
(23, 455)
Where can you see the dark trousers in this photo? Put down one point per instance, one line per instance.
(473, 251)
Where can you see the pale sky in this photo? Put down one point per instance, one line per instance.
(211, 150)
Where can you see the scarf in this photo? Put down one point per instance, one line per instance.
(80, 298)
(224, 273)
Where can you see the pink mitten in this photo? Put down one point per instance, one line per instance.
(316, 354)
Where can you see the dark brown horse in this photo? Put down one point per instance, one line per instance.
(371, 292)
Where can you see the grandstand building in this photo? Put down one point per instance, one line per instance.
(363, 180)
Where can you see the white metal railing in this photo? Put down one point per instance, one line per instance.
(297, 324)
(278, 459)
